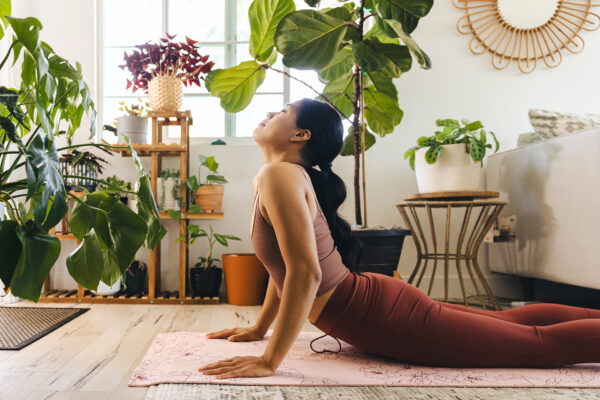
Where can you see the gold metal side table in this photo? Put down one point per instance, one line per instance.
(477, 218)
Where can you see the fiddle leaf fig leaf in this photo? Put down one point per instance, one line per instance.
(340, 92)
(341, 64)
(381, 111)
(394, 28)
(264, 17)
(372, 55)
(309, 39)
(383, 83)
(236, 86)
(407, 12)
(348, 146)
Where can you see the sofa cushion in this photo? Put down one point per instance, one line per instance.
(549, 124)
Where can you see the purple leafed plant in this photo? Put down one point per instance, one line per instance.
(181, 60)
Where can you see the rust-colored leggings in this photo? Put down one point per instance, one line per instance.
(388, 317)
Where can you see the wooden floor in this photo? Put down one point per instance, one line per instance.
(93, 356)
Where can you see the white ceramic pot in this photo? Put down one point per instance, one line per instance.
(1, 211)
(105, 290)
(136, 128)
(165, 198)
(453, 170)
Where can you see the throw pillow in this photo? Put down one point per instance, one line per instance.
(551, 123)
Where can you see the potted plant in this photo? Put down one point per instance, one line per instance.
(134, 124)
(447, 161)
(53, 94)
(134, 278)
(246, 279)
(357, 65)
(120, 188)
(82, 168)
(208, 194)
(160, 68)
(205, 276)
(168, 187)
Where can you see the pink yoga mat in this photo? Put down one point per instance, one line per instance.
(175, 358)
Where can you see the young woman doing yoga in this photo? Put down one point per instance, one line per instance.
(312, 261)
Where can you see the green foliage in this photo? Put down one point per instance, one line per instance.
(53, 94)
(470, 133)
(213, 238)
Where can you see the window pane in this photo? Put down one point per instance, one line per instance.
(115, 78)
(209, 117)
(131, 22)
(217, 55)
(274, 80)
(250, 117)
(298, 90)
(199, 20)
(243, 23)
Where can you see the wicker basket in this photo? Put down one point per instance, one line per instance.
(165, 93)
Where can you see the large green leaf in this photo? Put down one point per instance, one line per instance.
(4, 11)
(348, 147)
(40, 252)
(83, 217)
(391, 59)
(382, 82)
(309, 39)
(341, 64)
(381, 111)
(383, 36)
(148, 211)
(340, 92)
(393, 28)
(407, 12)
(264, 16)
(86, 263)
(10, 250)
(236, 86)
(27, 31)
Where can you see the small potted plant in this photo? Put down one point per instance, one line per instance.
(168, 187)
(117, 187)
(447, 161)
(83, 164)
(134, 278)
(134, 124)
(208, 194)
(205, 276)
(160, 68)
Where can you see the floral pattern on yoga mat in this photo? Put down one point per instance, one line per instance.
(175, 358)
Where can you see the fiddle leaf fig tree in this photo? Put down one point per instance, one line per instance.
(52, 98)
(357, 64)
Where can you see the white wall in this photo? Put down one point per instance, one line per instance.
(460, 85)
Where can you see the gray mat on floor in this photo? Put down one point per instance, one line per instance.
(20, 326)
(172, 391)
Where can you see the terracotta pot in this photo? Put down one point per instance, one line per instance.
(246, 279)
(210, 197)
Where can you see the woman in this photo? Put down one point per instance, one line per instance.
(312, 262)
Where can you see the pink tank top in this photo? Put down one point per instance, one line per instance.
(266, 248)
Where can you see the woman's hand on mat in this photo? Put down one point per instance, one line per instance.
(248, 366)
(249, 334)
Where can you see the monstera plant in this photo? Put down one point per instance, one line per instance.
(357, 65)
(51, 98)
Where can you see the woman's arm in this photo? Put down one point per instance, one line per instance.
(268, 312)
(283, 195)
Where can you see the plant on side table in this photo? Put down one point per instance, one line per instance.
(208, 194)
(447, 161)
(134, 123)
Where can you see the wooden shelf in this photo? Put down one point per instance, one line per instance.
(65, 236)
(70, 296)
(206, 215)
(146, 150)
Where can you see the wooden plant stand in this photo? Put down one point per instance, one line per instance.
(156, 151)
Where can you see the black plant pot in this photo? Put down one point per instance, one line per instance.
(205, 282)
(135, 284)
(381, 249)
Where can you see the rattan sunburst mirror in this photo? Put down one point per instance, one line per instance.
(526, 31)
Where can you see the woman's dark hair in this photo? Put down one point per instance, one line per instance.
(325, 143)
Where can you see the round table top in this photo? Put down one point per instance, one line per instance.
(453, 195)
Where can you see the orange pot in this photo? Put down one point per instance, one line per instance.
(246, 279)
(210, 197)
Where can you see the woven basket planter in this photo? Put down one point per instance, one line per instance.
(165, 93)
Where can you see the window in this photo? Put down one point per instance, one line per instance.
(222, 29)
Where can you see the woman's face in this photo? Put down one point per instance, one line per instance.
(278, 129)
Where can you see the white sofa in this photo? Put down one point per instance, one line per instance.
(553, 188)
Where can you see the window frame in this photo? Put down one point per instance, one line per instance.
(230, 50)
